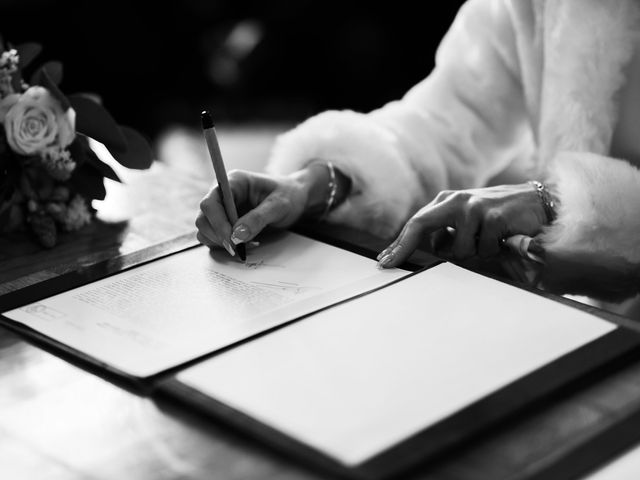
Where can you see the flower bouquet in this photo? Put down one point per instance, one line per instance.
(48, 172)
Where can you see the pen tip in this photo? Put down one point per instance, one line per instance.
(242, 252)
(205, 118)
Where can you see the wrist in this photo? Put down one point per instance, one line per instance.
(324, 187)
(313, 184)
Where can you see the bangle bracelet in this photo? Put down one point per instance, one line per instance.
(548, 204)
(333, 189)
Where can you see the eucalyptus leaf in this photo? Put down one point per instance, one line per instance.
(102, 167)
(94, 121)
(88, 182)
(138, 154)
(41, 77)
(28, 52)
(79, 149)
(53, 69)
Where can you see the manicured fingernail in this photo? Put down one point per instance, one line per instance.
(240, 234)
(382, 253)
(536, 258)
(227, 247)
(253, 244)
(384, 261)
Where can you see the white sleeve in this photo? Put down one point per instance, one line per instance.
(456, 129)
(593, 248)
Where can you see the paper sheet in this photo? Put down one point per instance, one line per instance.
(162, 314)
(357, 378)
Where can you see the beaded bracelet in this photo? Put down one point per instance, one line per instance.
(547, 200)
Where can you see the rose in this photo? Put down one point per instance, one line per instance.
(35, 122)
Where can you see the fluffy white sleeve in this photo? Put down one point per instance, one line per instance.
(593, 247)
(456, 129)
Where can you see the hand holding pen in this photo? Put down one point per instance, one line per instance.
(264, 201)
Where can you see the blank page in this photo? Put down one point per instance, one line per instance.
(354, 380)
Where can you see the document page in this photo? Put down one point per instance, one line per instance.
(362, 376)
(172, 310)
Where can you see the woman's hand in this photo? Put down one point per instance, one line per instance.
(262, 200)
(479, 219)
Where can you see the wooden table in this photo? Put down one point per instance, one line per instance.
(59, 420)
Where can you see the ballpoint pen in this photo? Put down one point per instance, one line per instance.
(221, 175)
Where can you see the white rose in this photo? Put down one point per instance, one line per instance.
(35, 122)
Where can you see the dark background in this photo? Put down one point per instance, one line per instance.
(156, 65)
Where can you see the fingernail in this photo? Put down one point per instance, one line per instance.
(227, 247)
(253, 244)
(536, 258)
(384, 261)
(240, 234)
(382, 253)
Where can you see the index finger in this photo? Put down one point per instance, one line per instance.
(213, 209)
(428, 219)
(213, 221)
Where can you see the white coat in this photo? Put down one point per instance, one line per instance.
(522, 90)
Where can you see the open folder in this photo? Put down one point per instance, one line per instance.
(375, 385)
(311, 347)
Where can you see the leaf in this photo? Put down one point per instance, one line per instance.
(78, 149)
(91, 96)
(41, 77)
(138, 153)
(28, 52)
(94, 121)
(102, 167)
(88, 182)
(53, 69)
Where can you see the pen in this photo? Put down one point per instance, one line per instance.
(221, 175)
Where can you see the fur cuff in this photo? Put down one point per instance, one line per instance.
(598, 217)
(384, 187)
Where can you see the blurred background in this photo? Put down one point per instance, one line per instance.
(157, 64)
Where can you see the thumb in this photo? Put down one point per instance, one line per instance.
(272, 209)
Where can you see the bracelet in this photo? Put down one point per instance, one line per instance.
(333, 189)
(547, 200)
